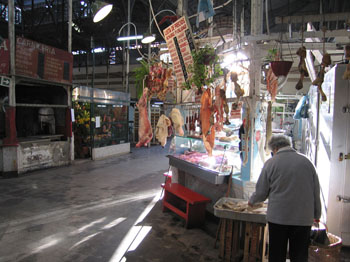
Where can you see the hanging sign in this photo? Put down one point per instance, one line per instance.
(37, 60)
(180, 43)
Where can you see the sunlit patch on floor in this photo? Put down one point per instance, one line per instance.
(84, 240)
(83, 228)
(135, 235)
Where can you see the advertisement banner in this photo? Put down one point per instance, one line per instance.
(180, 43)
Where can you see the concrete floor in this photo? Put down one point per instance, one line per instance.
(99, 211)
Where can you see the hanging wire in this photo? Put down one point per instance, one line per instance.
(324, 39)
(302, 32)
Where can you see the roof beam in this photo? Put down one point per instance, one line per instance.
(312, 18)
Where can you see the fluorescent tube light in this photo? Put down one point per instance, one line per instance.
(131, 37)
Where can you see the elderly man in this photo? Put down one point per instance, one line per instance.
(290, 182)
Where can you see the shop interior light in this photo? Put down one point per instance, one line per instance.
(148, 38)
(100, 10)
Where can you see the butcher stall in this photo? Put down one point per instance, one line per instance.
(101, 123)
(37, 118)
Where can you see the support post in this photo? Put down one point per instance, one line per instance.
(10, 117)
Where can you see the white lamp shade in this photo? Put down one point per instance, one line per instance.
(148, 39)
(101, 10)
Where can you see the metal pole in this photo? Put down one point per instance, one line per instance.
(127, 52)
(12, 40)
(317, 128)
(92, 131)
(149, 64)
(70, 8)
(234, 20)
(179, 10)
(93, 62)
(210, 20)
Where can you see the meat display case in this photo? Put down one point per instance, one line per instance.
(189, 154)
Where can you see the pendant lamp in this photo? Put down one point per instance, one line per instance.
(148, 38)
(100, 10)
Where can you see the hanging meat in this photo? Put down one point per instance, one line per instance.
(159, 80)
(246, 122)
(226, 108)
(238, 90)
(145, 129)
(162, 129)
(223, 97)
(301, 67)
(166, 84)
(207, 121)
(219, 109)
(326, 61)
(177, 120)
(271, 84)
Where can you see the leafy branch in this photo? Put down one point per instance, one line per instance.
(139, 75)
(205, 68)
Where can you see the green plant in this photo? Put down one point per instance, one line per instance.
(205, 60)
(139, 74)
(271, 55)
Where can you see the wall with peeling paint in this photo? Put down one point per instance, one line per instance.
(39, 155)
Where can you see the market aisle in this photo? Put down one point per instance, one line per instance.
(81, 212)
(95, 211)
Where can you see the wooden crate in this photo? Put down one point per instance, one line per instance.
(242, 241)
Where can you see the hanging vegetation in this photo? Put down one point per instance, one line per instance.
(205, 69)
(139, 74)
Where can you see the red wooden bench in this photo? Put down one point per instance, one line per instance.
(168, 176)
(186, 203)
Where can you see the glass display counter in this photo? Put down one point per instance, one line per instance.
(189, 154)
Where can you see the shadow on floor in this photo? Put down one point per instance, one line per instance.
(169, 240)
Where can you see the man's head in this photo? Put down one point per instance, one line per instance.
(278, 141)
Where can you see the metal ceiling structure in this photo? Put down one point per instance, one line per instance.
(45, 21)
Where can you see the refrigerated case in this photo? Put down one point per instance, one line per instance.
(189, 154)
(101, 122)
(207, 175)
(328, 145)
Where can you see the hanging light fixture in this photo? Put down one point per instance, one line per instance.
(100, 10)
(148, 38)
(128, 37)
